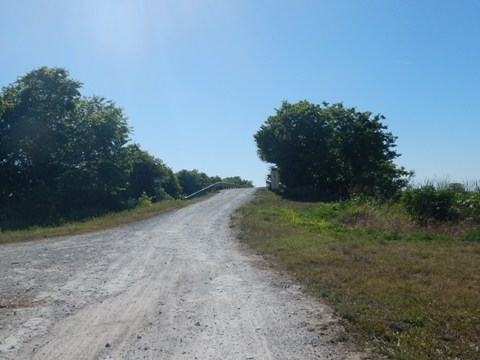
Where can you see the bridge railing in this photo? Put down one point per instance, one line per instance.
(215, 187)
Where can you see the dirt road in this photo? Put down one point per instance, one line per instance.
(173, 287)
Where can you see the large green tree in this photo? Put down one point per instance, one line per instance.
(33, 139)
(63, 154)
(331, 148)
(96, 168)
(151, 176)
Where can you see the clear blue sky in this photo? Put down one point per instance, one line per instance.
(197, 78)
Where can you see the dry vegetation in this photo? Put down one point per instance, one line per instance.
(409, 292)
(141, 212)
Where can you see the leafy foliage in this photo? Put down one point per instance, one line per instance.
(433, 204)
(66, 156)
(193, 180)
(329, 147)
(151, 176)
(238, 180)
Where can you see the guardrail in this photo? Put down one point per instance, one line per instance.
(215, 187)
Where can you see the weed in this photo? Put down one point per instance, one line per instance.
(472, 235)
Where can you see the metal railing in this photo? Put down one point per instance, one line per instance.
(215, 187)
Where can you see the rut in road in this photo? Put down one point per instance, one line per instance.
(172, 287)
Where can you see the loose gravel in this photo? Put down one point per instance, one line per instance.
(176, 286)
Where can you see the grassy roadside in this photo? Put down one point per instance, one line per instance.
(408, 293)
(107, 221)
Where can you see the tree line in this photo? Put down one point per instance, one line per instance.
(66, 156)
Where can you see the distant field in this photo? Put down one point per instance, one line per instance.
(404, 291)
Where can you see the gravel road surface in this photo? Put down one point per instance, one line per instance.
(176, 286)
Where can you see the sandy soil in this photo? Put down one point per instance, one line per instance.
(173, 287)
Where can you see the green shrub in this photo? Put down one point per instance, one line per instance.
(443, 202)
(144, 200)
(428, 204)
(469, 206)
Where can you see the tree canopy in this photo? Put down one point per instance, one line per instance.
(331, 148)
(66, 155)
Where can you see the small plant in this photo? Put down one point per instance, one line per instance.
(144, 200)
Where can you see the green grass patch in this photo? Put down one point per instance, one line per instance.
(409, 292)
(108, 221)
